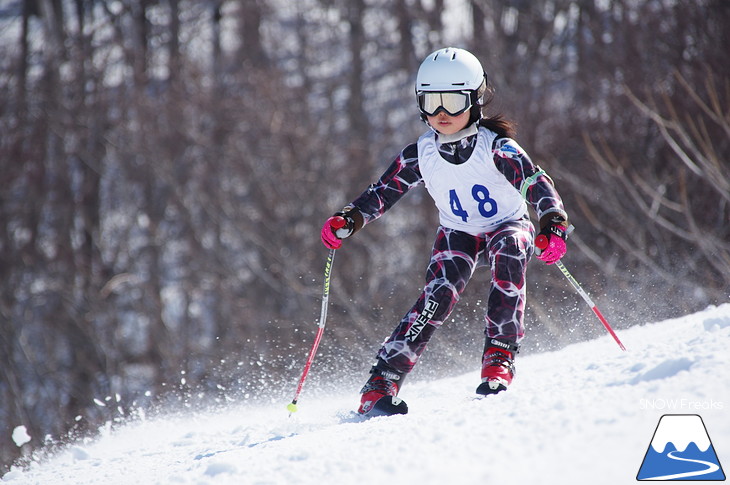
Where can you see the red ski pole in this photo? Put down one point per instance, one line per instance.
(541, 242)
(292, 406)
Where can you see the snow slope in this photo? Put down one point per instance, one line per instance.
(584, 414)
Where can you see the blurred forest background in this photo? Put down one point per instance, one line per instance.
(166, 166)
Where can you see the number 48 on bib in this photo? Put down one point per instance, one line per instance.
(486, 205)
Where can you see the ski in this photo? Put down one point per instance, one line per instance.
(386, 406)
(490, 387)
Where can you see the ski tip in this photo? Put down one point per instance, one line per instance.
(490, 387)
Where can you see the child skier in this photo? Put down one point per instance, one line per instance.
(481, 182)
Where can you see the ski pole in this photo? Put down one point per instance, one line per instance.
(292, 406)
(541, 242)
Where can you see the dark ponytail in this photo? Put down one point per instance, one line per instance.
(497, 123)
(502, 127)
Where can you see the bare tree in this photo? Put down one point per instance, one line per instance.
(688, 202)
(167, 165)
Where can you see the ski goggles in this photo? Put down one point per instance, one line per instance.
(452, 102)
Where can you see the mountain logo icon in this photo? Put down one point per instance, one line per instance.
(681, 450)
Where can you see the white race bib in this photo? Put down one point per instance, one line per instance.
(474, 196)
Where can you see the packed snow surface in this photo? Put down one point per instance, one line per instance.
(584, 414)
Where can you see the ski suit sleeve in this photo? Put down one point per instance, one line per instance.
(535, 185)
(400, 177)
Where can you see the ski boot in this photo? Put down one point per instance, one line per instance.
(498, 367)
(379, 395)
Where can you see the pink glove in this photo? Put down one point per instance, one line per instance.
(329, 238)
(551, 248)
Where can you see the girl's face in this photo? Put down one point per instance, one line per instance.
(447, 124)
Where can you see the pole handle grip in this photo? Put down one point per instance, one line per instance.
(338, 222)
(541, 242)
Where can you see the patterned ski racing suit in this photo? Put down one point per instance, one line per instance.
(472, 234)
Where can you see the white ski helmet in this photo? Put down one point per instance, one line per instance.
(451, 70)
